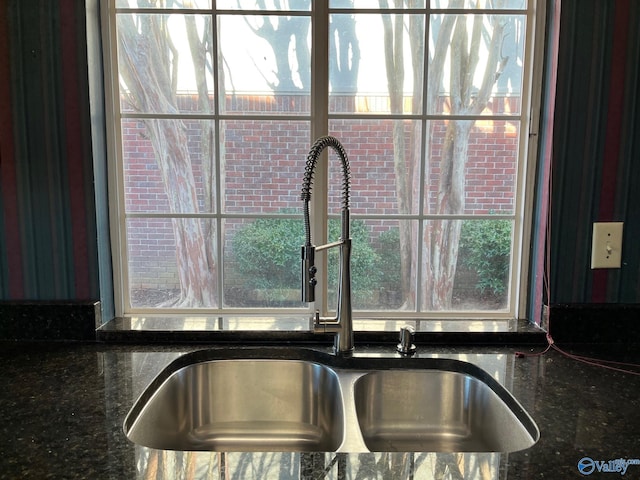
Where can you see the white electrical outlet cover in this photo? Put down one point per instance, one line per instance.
(606, 247)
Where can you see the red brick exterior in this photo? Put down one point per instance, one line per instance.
(264, 162)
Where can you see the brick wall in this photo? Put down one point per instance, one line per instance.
(263, 166)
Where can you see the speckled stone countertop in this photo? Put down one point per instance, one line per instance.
(62, 408)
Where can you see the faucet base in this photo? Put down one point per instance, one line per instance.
(342, 351)
(343, 343)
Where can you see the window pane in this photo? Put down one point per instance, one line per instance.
(164, 273)
(384, 156)
(484, 261)
(476, 64)
(478, 4)
(158, 73)
(266, 63)
(380, 279)
(466, 265)
(262, 262)
(163, 4)
(273, 5)
(168, 166)
(360, 82)
(264, 165)
(472, 167)
(369, 4)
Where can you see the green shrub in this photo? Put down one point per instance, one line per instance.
(267, 254)
(389, 252)
(485, 247)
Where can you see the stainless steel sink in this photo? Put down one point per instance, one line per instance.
(441, 411)
(262, 399)
(242, 405)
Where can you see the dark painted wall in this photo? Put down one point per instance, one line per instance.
(48, 222)
(596, 152)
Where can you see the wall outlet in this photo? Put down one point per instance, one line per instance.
(606, 247)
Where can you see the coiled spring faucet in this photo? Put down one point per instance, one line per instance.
(341, 325)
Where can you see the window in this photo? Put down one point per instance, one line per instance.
(215, 105)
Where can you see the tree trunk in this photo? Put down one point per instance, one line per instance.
(280, 37)
(151, 90)
(445, 234)
(443, 237)
(199, 49)
(393, 28)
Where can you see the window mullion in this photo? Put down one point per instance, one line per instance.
(320, 127)
(218, 152)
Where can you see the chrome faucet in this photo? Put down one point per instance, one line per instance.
(406, 345)
(342, 324)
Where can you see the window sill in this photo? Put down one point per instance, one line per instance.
(292, 330)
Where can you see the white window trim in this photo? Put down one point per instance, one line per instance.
(320, 117)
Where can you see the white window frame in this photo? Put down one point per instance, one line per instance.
(319, 118)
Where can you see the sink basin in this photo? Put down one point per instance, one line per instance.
(241, 405)
(298, 400)
(439, 411)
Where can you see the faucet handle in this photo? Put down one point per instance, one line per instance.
(406, 345)
(309, 271)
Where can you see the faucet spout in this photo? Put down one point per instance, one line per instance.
(342, 324)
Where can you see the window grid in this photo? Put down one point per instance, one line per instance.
(319, 125)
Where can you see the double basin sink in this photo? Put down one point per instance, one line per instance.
(280, 399)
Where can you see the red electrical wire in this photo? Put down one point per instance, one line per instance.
(595, 362)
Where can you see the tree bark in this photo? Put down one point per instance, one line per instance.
(393, 30)
(443, 237)
(148, 76)
(199, 49)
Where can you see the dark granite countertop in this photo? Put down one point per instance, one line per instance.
(62, 407)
